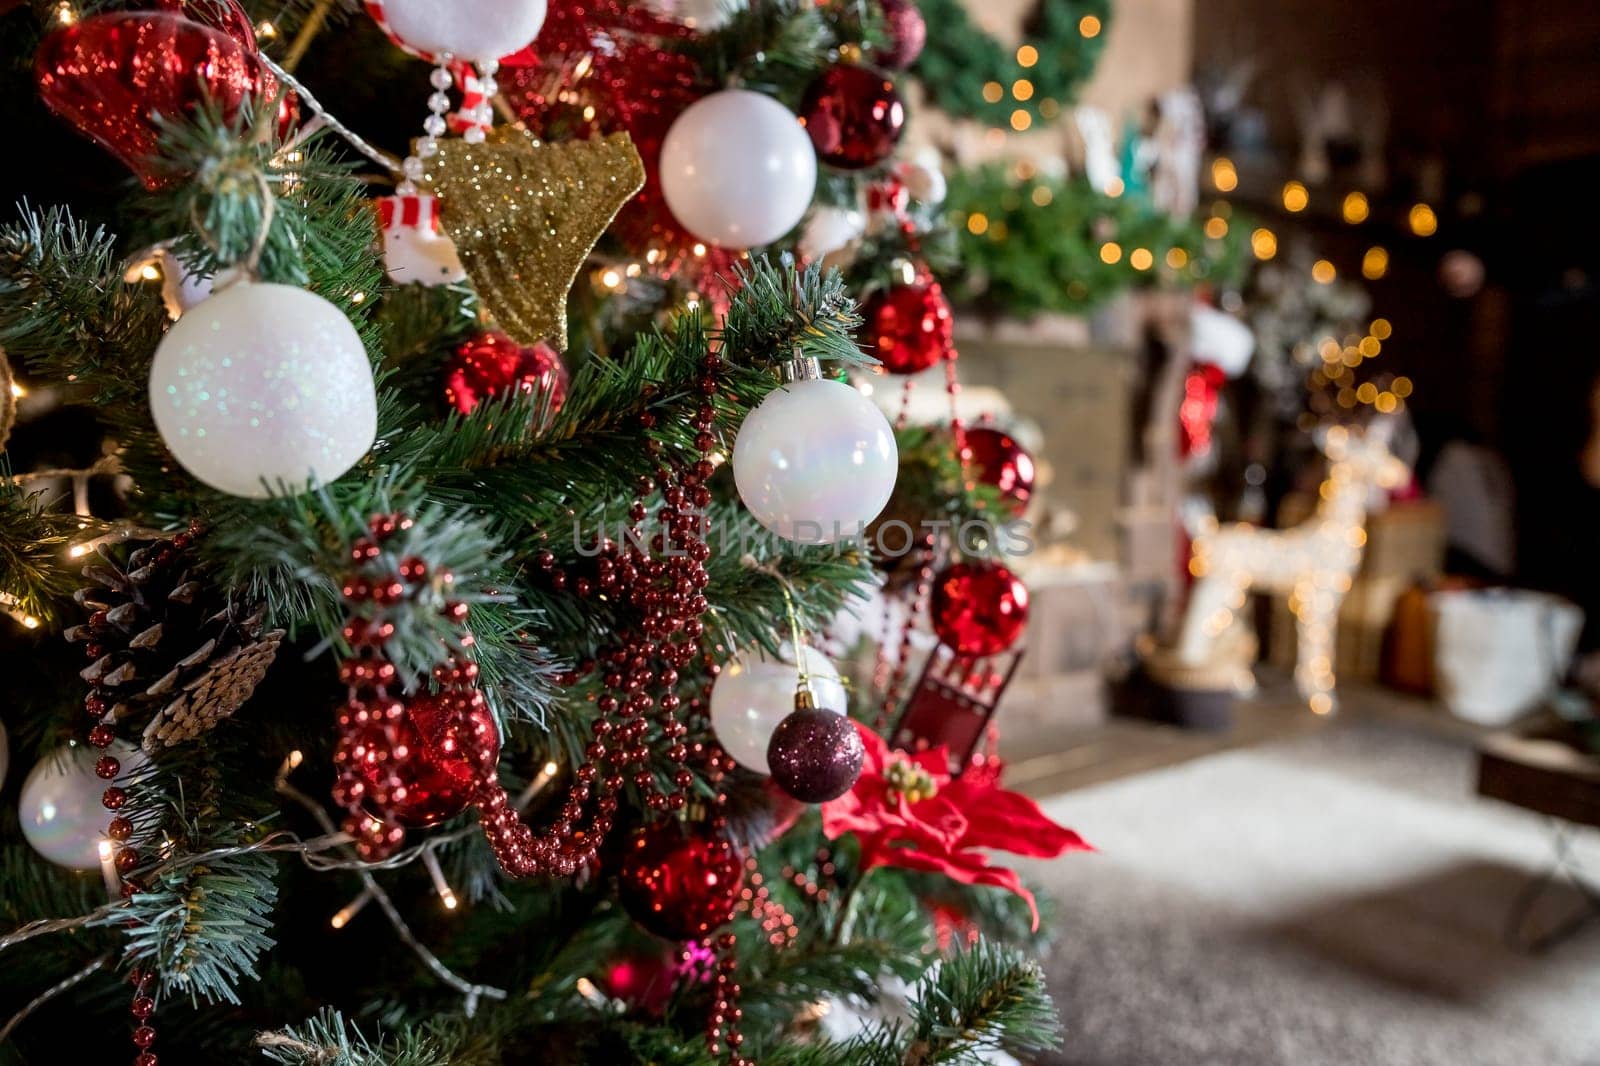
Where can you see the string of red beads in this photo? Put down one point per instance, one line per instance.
(124, 824)
(662, 579)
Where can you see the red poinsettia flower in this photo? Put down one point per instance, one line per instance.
(908, 811)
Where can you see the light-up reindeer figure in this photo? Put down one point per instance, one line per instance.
(1312, 563)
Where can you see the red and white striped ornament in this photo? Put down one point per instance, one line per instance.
(414, 247)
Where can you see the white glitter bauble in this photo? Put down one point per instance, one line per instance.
(474, 30)
(815, 461)
(754, 693)
(60, 809)
(263, 384)
(737, 169)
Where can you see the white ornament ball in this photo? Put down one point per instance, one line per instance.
(754, 693)
(474, 30)
(737, 169)
(60, 809)
(263, 384)
(815, 461)
(829, 229)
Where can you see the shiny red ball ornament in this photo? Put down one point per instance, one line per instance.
(908, 328)
(995, 458)
(978, 608)
(906, 31)
(854, 116)
(491, 363)
(109, 75)
(642, 978)
(440, 752)
(678, 881)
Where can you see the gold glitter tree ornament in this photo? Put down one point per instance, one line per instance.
(524, 216)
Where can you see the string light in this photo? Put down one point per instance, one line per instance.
(1375, 264)
(1020, 120)
(1424, 223)
(1110, 252)
(266, 30)
(1027, 56)
(1177, 258)
(430, 862)
(1042, 196)
(17, 391)
(1022, 89)
(993, 91)
(66, 14)
(1381, 328)
(1401, 387)
(1223, 174)
(1264, 243)
(1323, 272)
(1216, 228)
(1141, 259)
(1356, 208)
(1089, 26)
(977, 223)
(343, 915)
(1115, 188)
(1295, 197)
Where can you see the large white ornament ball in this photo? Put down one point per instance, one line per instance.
(263, 384)
(737, 169)
(60, 809)
(754, 693)
(815, 462)
(474, 30)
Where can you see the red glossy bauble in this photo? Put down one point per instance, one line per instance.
(854, 116)
(643, 978)
(979, 608)
(447, 748)
(680, 882)
(224, 15)
(491, 363)
(908, 327)
(906, 31)
(997, 459)
(109, 74)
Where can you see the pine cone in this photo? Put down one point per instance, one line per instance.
(170, 651)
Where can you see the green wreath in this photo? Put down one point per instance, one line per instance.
(960, 60)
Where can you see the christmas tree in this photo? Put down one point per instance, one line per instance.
(424, 637)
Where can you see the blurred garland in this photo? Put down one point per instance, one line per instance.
(960, 59)
(1030, 245)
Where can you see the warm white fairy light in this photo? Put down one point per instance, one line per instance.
(343, 915)
(430, 862)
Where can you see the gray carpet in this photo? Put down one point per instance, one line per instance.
(1336, 900)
